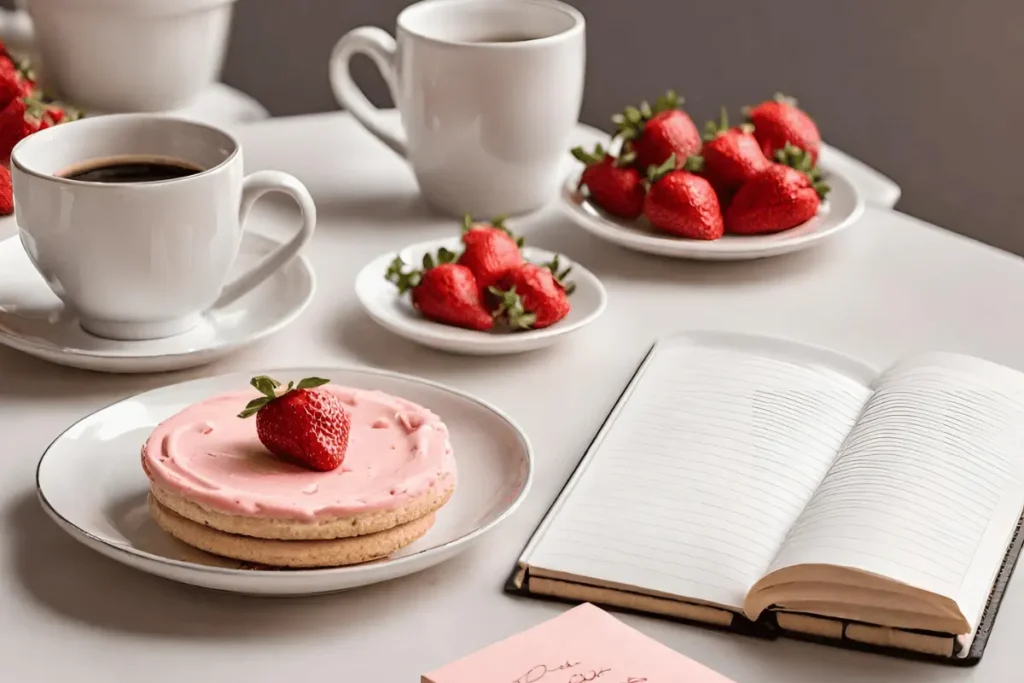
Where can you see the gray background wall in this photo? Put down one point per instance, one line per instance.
(923, 90)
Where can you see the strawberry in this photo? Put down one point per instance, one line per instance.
(532, 296)
(19, 119)
(6, 192)
(443, 291)
(491, 251)
(656, 134)
(299, 424)
(613, 184)
(681, 202)
(777, 199)
(794, 157)
(732, 156)
(779, 121)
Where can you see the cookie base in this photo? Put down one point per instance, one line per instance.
(361, 524)
(290, 553)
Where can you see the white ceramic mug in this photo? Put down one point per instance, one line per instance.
(489, 92)
(143, 260)
(130, 55)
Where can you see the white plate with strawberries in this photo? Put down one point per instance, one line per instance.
(736, 193)
(483, 293)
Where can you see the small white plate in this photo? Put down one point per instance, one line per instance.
(91, 483)
(843, 208)
(33, 320)
(396, 313)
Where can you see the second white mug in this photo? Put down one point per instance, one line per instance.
(488, 91)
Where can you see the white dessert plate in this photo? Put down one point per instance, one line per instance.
(395, 312)
(91, 483)
(843, 207)
(33, 320)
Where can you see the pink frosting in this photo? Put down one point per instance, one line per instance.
(397, 451)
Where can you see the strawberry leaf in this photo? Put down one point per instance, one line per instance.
(253, 406)
(265, 385)
(397, 275)
(510, 307)
(311, 382)
(553, 265)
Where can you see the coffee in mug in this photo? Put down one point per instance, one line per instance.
(489, 92)
(129, 170)
(134, 220)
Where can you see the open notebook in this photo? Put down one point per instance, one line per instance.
(770, 488)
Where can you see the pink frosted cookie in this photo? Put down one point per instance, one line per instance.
(214, 485)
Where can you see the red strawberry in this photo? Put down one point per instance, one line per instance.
(682, 203)
(491, 251)
(19, 119)
(532, 296)
(778, 199)
(443, 291)
(6, 192)
(779, 121)
(732, 156)
(299, 424)
(612, 183)
(658, 133)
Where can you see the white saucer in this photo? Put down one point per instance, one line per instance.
(843, 208)
(91, 483)
(33, 320)
(396, 313)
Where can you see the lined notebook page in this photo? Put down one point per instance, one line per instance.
(928, 487)
(707, 462)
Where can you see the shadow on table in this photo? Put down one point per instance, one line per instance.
(66, 577)
(357, 333)
(611, 262)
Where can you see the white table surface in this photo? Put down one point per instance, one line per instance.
(890, 286)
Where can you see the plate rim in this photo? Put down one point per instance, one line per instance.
(36, 349)
(82, 535)
(666, 245)
(449, 334)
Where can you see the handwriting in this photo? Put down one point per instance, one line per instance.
(541, 670)
(633, 679)
(591, 675)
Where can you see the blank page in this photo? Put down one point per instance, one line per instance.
(702, 468)
(928, 488)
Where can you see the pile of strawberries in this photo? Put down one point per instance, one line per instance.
(24, 109)
(756, 178)
(488, 286)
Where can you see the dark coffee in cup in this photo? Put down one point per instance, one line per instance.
(129, 170)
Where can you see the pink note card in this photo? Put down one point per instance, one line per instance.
(582, 645)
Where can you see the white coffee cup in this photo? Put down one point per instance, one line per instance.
(488, 90)
(130, 55)
(143, 260)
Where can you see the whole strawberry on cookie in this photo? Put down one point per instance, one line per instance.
(443, 291)
(681, 202)
(732, 156)
(300, 424)
(655, 134)
(614, 184)
(491, 251)
(779, 121)
(533, 296)
(781, 197)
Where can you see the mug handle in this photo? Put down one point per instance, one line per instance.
(379, 46)
(254, 186)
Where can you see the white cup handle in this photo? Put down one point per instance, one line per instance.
(254, 186)
(379, 46)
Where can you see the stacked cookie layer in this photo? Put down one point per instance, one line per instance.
(215, 487)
